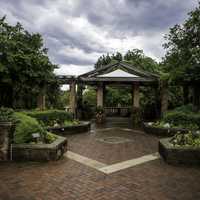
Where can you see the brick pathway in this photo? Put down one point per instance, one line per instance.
(70, 180)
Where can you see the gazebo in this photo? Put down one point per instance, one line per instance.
(118, 73)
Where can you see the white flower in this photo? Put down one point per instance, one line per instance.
(167, 125)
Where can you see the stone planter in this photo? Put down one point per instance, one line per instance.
(65, 130)
(179, 155)
(6, 135)
(40, 152)
(165, 132)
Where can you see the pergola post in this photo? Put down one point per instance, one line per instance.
(73, 98)
(41, 100)
(100, 92)
(136, 96)
(164, 98)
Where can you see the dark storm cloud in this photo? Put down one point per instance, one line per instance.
(77, 32)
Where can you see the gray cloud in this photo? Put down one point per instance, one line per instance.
(77, 32)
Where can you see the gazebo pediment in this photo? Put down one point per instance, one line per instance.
(118, 72)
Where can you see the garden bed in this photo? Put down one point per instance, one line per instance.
(72, 129)
(161, 131)
(40, 152)
(179, 155)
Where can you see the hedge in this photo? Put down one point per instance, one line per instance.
(49, 117)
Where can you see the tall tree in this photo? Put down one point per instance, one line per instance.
(183, 53)
(25, 68)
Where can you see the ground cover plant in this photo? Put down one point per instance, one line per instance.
(190, 139)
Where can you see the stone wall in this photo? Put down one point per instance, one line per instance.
(5, 140)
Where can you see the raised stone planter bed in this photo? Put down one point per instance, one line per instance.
(179, 155)
(40, 152)
(165, 132)
(79, 128)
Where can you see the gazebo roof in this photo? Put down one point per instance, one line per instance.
(119, 72)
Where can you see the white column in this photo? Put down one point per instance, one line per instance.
(100, 91)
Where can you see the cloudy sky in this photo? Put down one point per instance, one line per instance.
(77, 32)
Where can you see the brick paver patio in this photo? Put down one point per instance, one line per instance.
(71, 180)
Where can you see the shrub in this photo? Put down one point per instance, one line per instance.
(7, 115)
(25, 127)
(178, 118)
(49, 117)
(185, 108)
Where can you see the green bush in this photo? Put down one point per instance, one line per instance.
(25, 127)
(49, 117)
(7, 115)
(185, 108)
(182, 119)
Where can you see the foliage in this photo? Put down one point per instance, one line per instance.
(181, 117)
(25, 68)
(118, 97)
(7, 115)
(50, 117)
(71, 123)
(89, 96)
(105, 60)
(25, 127)
(50, 137)
(178, 118)
(182, 59)
(189, 139)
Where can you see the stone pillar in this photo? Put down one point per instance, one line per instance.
(73, 98)
(164, 98)
(100, 91)
(136, 112)
(5, 140)
(41, 101)
(136, 96)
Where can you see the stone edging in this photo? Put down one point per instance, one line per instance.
(178, 155)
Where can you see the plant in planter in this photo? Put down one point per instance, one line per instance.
(7, 126)
(100, 115)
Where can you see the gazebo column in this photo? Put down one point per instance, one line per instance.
(73, 98)
(136, 96)
(164, 98)
(41, 100)
(100, 92)
(136, 113)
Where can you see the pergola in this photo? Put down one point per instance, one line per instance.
(118, 73)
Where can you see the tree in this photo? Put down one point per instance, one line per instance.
(183, 54)
(25, 68)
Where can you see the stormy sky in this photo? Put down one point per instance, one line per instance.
(77, 32)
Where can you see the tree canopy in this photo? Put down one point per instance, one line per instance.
(25, 68)
(182, 59)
